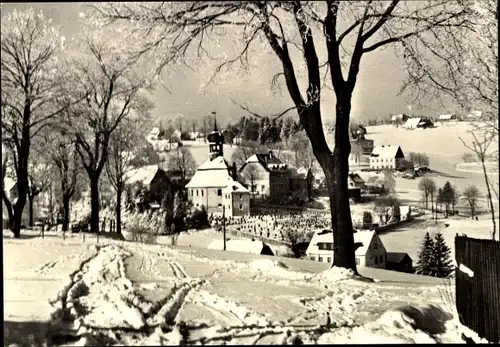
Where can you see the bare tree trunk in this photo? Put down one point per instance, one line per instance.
(30, 206)
(119, 210)
(490, 198)
(65, 224)
(94, 203)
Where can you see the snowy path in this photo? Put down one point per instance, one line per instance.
(134, 294)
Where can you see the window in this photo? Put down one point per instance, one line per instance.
(202, 192)
(196, 192)
(313, 257)
(262, 188)
(381, 259)
(325, 246)
(329, 259)
(219, 192)
(219, 205)
(320, 258)
(241, 207)
(241, 197)
(357, 261)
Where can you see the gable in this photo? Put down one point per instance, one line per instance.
(255, 170)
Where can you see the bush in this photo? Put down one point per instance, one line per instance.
(197, 219)
(144, 227)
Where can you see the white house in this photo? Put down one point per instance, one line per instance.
(216, 184)
(355, 181)
(370, 251)
(387, 157)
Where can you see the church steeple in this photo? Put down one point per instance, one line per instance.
(216, 141)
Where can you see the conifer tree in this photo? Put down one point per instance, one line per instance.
(426, 256)
(442, 265)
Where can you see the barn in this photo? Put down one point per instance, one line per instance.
(398, 261)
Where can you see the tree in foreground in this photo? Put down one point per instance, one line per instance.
(349, 30)
(109, 73)
(122, 144)
(442, 266)
(29, 85)
(472, 195)
(61, 149)
(426, 256)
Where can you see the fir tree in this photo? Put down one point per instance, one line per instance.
(442, 265)
(426, 256)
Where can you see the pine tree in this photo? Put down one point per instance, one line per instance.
(426, 256)
(442, 266)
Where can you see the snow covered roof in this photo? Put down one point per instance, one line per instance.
(268, 160)
(235, 187)
(413, 121)
(356, 178)
(143, 174)
(386, 151)
(155, 131)
(243, 246)
(363, 238)
(475, 114)
(211, 174)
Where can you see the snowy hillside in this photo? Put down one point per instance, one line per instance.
(125, 293)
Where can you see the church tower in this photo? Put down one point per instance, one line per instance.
(215, 141)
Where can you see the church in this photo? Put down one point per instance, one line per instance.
(216, 184)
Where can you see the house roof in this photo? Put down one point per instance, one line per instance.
(244, 246)
(143, 174)
(413, 121)
(386, 151)
(364, 238)
(397, 257)
(235, 187)
(268, 160)
(213, 173)
(356, 178)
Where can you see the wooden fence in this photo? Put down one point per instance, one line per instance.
(478, 285)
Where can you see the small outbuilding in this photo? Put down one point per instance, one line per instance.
(398, 261)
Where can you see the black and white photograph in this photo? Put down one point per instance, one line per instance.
(250, 172)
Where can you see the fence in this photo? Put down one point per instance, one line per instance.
(478, 285)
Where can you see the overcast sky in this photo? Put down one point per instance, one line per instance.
(379, 81)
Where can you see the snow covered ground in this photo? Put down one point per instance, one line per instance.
(119, 292)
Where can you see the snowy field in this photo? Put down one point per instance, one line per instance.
(119, 292)
(408, 238)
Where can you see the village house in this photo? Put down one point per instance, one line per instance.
(387, 157)
(216, 184)
(370, 251)
(266, 175)
(355, 181)
(418, 122)
(153, 179)
(397, 261)
(153, 135)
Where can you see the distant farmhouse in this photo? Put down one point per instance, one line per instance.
(418, 122)
(370, 251)
(399, 119)
(475, 115)
(399, 262)
(216, 184)
(448, 117)
(387, 157)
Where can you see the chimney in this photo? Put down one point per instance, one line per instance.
(233, 171)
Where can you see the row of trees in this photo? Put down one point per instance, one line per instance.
(447, 196)
(76, 107)
(434, 258)
(419, 159)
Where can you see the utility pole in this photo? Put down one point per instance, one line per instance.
(224, 224)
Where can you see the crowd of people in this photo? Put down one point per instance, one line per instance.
(288, 226)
